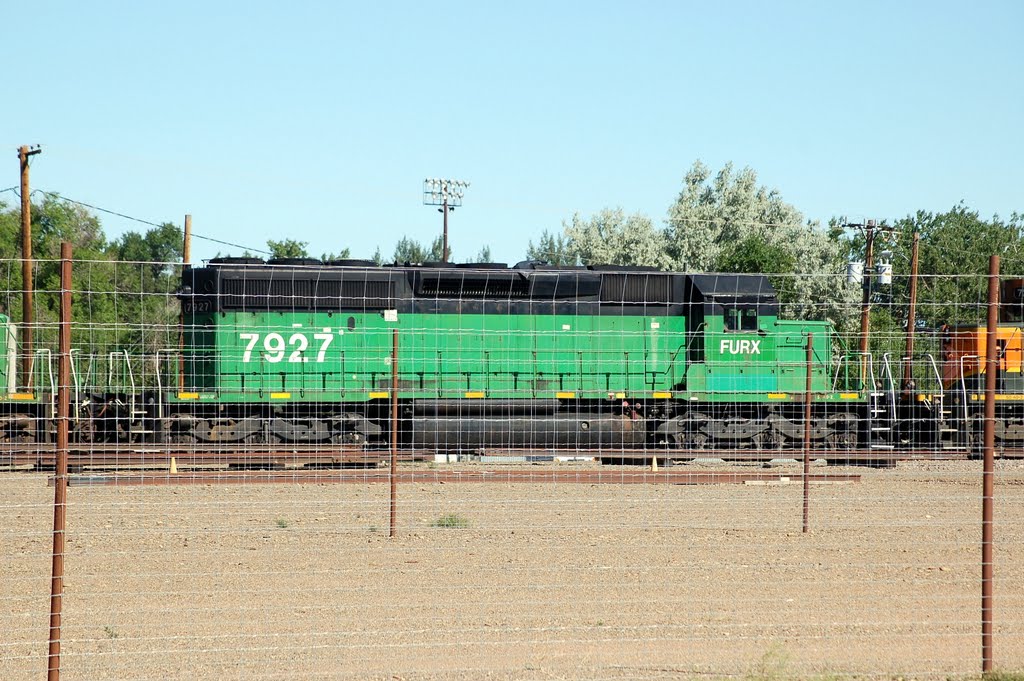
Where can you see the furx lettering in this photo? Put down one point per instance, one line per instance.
(740, 347)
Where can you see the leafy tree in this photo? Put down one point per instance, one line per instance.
(611, 237)
(484, 255)
(412, 251)
(715, 218)
(161, 246)
(712, 213)
(116, 306)
(953, 252)
(756, 254)
(343, 254)
(552, 248)
(437, 250)
(607, 237)
(288, 248)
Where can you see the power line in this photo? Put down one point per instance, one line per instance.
(228, 243)
(146, 222)
(89, 205)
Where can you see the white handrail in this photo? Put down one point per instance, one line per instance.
(159, 380)
(74, 379)
(45, 352)
(963, 382)
(887, 371)
(938, 378)
(110, 369)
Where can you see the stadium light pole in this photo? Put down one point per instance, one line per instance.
(448, 195)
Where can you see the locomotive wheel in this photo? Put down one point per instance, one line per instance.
(697, 441)
(841, 440)
(351, 438)
(763, 440)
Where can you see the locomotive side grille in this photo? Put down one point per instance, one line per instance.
(635, 288)
(304, 294)
(503, 288)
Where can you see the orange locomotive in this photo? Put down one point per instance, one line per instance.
(963, 373)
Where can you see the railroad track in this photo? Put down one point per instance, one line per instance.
(500, 476)
(127, 457)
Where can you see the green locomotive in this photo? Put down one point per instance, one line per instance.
(492, 357)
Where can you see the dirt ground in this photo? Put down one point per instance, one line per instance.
(527, 581)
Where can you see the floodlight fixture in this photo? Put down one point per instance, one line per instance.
(447, 194)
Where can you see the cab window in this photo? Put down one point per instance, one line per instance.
(741, 318)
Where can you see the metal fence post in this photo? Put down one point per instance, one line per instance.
(808, 397)
(60, 481)
(988, 475)
(394, 432)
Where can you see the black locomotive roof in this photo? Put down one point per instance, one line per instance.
(528, 287)
(731, 286)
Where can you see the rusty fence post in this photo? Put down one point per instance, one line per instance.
(60, 481)
(988, 474)
(808, 397)
(393, 475)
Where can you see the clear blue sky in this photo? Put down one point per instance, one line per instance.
(319, 121)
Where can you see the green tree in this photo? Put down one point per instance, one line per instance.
(715, 217)
(612, 237)
(287, 248)
(552, 248)
(161, 247)
(953, 252)
(343, 254)
(756, 254)
(484, 255)
(412, 251)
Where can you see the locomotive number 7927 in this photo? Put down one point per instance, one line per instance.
(274, 347)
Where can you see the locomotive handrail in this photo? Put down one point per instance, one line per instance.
(127, 373)
(74, 379)
(963, 382)
(45, 352)
(843, 359)
(887, 372)
(131, 380)
(938, 377)
(159, 381)
(846, 359)
(110, 369)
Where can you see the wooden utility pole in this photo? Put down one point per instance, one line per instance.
(865, 307)
(186, 249)
(186, 261)
(27, 314)
(908, 367)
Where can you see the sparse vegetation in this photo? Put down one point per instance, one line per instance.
(1000, 675)
(451, 520)
(771, 666)
(110, 631)
(281, 522)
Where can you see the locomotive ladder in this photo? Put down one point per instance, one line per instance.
(947, 432)
(136, 414)
(882, 408)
